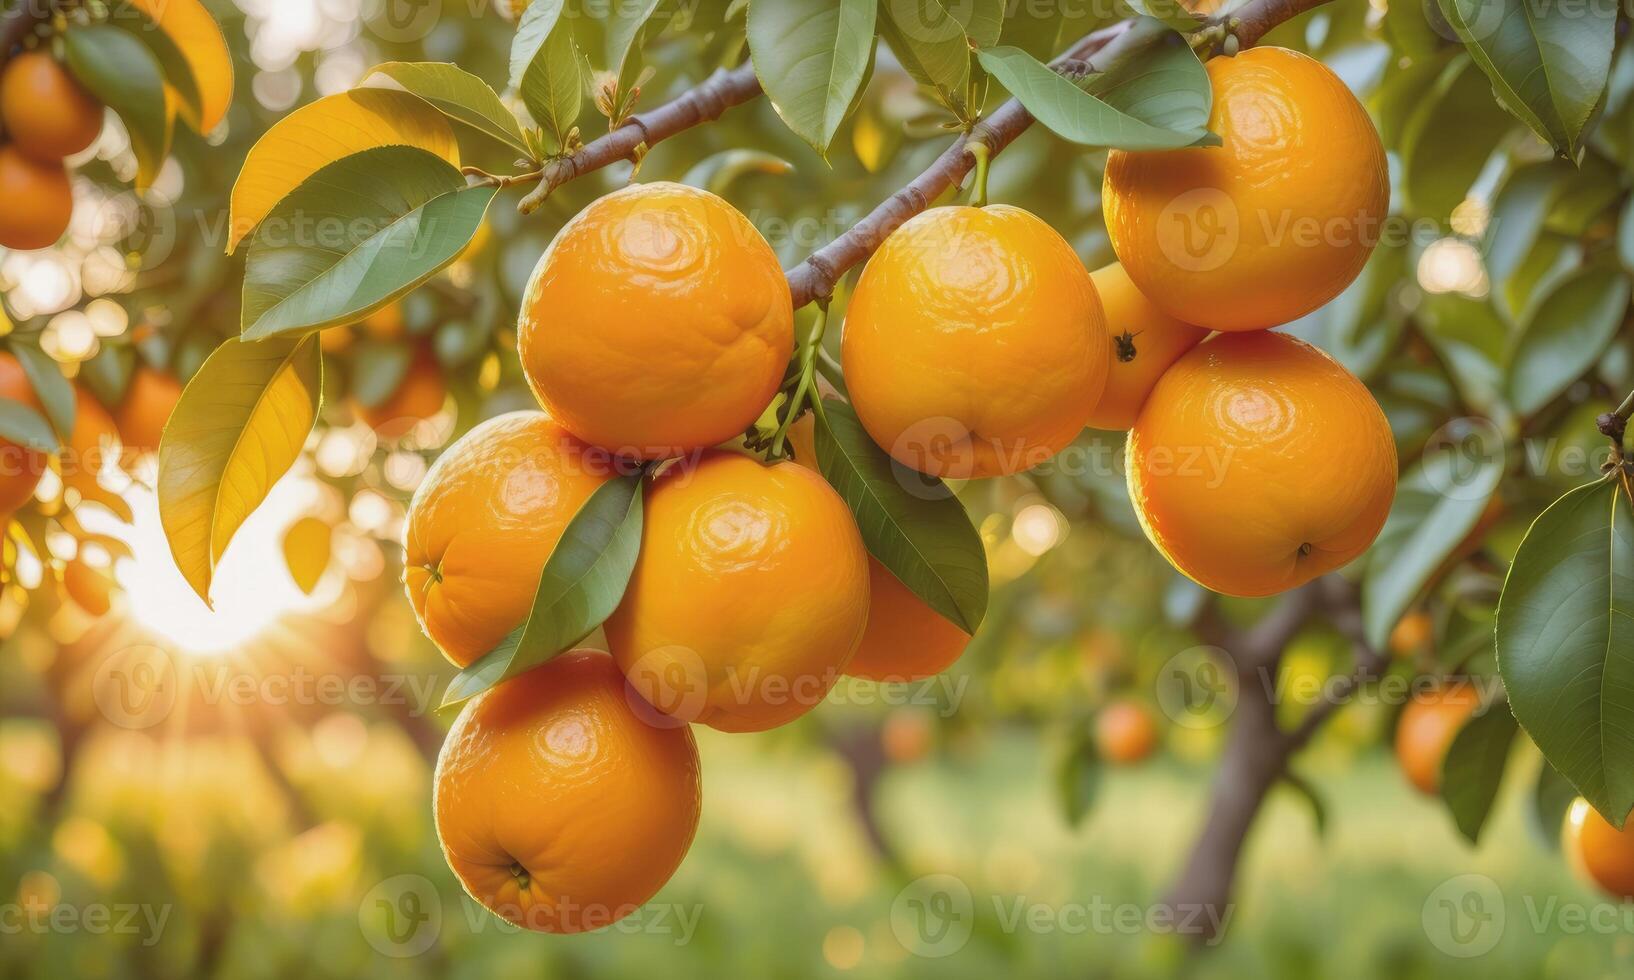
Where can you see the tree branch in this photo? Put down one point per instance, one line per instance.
(705, 102)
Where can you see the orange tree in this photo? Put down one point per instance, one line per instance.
(1403, 476)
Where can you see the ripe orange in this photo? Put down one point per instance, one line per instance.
(420, 395)
(906, 640)
(39, 201)
(483, 523)
(386, 323)
(750, 595)
(93, 442)
(1125, 733)
(1259, 464)
(1426, 729)
(658, 322)
(1412, 633)
(1599, 851)
(20, 467)
(1269, 226)
(975, 345)
(1145, 341)
(145, 410)
(559, 807)
(46, 113)
(90, 588)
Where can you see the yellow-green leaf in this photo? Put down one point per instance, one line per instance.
(196, 34)
(238, 428)
(307, 546)
(330, 129)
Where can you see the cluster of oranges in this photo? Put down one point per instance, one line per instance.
(45, 117)
(658, 327)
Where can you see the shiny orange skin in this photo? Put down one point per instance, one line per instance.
(906, 640)
(484, 521)
(20, 467)
(1259, 463)
(750, 595)
(47, 113)
(975, 344)
(1125, 733)
(1145, 341)
(1426, 729)
(1598, 850)
(1272, 224)
(658, 322)
(95, 440)
(419, 396)
(559, 805)
(39, 201)
(145, 410)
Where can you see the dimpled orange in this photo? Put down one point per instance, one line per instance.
(974, 345)
(1259, 463)
(45, 111)
(1272, 224)
(658, 322)
(906, 640)
(1145, 341)
(560, 805)
(20, 468)
(1426, 729)
(39, 201)
(484, 521)
(750, 595)
(1599, 850)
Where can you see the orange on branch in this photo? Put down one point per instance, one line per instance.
(1426, 729)
(975, 344)
(484, 521)
(46, 113)
(1145, 342)
(1259, 463)
(658, 322)
(20, 467)
(1125, 733)
(560, 806)
(1601, 852)
(145, 409)
(750, 595)
(39, 201)
(1270, 225)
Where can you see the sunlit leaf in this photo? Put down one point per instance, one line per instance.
(307, 546)
(460, 96)
(355, 236)
(546, 68)
(920, 532)
(1565, 635)
(123, 74)
(331, 129)
(582, 583)
(199, 39)
(811, 57)
(238, 428)
(931, 46)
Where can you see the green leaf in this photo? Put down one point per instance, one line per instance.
(624, 22)
(1474, 767)
(982, 20)
(547, 69)
(921, 532)
(1077, 778)
(124, 75)
(811, 57)
(1449, 133)
(1568, 333)
(1552, 796)
(1438, 504)
(1548, 62)
(173, 63)
(582, 583)
(356, 235)
(1169, 87)
(1565, 635)
(108, 374)
(1625, 236)
(23, 426)
(239, 427)
(378, 369)
(932, 47)
(460, 96)
(1518, 215)
(50, 387)
(1170, 13)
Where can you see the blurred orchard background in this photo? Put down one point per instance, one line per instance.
(268, 814)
